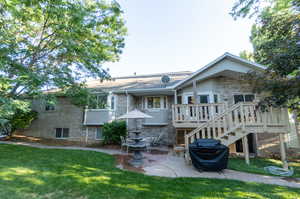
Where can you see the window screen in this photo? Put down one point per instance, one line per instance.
(179, 99)
(58, 132)
(190, 100)
(215, 98)
(98, 133)
(65, 132)
(238, 98)
(249, 98)
(112, 102)
(204, 99)
(153, 102)
(62, 132)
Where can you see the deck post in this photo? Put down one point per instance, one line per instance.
(283, 151)
(195, 92)
(175, 97)
(246, 149)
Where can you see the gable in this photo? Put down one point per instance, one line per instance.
(226, 65)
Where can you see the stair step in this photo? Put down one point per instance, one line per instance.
(224, 137)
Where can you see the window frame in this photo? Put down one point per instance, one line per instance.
(62, 133)
(112, 98)
(243, 94)
(49, 105)
(163, 101)
(210, 95)
(96, 131)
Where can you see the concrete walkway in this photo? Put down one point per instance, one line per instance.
(172, 166)
(176, 167)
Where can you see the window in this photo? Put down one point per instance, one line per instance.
(156, 102)
(190, 100)
(216, 98)
(98, 134)
(98, 101)
(153, 102)
(112, 102)
(179, 99)
(62, 132)
(243, 98)
(49, 107)
(203, 99)
(249, 98)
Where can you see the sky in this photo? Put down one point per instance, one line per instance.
(178, 35)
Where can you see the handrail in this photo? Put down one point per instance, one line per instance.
(219, 116)
(196, 112)
(238, 115)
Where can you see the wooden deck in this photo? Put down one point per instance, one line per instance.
(229, 124)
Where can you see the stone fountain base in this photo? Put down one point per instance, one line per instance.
(138, 146)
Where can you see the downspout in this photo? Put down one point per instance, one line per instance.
(127, 108)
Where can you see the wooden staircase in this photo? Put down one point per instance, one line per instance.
(238, 121)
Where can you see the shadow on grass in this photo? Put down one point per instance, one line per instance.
(27, 172)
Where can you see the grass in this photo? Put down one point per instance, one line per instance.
(257, 165)
(27, 172)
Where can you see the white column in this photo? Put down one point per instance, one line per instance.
(195, 91)
(175, 97)
(246, 149)
(283, 151)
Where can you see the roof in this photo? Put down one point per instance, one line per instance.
(219, 59)
(152, 82)
(138, 82)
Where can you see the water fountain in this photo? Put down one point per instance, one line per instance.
(138, 146)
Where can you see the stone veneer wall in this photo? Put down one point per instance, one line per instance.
(65, 115)
(226, 87)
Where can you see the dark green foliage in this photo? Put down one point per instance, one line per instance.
(55, 44)
(19, 120)
(22, 120)
(275, 38)
(112, 132)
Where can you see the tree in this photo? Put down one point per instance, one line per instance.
(276, 42)
(46, 44)
(247, 55)
(275, 38)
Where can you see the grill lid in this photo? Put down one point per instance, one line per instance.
(207, 142)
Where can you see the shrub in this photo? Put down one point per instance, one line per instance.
(112, 132)
(19, 120)
(22, 120)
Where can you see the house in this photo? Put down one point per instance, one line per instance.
(212, 102)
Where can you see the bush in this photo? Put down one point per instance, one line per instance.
(19, 120)
(112, 132)
(22, 120)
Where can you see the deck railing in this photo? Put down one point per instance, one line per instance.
(241, 115)
(196, 112)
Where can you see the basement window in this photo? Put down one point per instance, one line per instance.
(62, 132)
(98, 134)
(49, 107)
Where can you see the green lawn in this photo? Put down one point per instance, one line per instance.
(27, 172)
(257, 165)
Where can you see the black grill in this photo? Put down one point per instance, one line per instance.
(209, 155)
